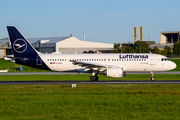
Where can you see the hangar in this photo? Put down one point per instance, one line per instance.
(169, 37)
(69, 44)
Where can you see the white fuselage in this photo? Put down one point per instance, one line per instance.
(128, 61)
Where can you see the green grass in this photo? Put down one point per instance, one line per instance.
(177, 61)
(114, 102)
(85, 77)
(90, 102)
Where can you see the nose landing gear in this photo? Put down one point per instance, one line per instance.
(152, 76)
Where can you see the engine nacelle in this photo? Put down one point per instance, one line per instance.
(113, 72)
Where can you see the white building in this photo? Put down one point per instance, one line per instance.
(69, 44)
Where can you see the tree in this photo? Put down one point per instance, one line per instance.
(141, 47)
(5, 38)
(176, 48)
(116, 45)
(156, 50)
(166, 51)
(118, 50)
(128, 50)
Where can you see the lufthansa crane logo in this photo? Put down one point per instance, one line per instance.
(20, 45)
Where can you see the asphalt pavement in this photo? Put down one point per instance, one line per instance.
(86, 82)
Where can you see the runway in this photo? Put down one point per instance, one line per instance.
(74, 73)
(85, 82)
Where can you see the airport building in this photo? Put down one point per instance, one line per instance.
(169, 37)
(69, 44)
(166, 39)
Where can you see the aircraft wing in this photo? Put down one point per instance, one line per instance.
(89, 64)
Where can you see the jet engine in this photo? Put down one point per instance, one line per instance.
(113, 72)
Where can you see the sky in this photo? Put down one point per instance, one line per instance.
(106, 21)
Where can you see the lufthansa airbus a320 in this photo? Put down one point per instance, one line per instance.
(112, 65)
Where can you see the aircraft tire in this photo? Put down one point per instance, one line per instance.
(152, 78)
(94, 78)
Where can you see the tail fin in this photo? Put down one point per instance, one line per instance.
(21, 47)
(24, 52)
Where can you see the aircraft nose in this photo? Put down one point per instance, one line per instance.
(173, 65)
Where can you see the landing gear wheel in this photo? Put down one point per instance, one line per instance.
(152, 78)
(94, 78)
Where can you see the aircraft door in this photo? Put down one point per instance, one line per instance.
(152, 60)
(38, 60)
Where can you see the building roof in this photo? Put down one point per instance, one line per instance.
(47, 39)
(170, 32)
(161, 45)
(3, 41)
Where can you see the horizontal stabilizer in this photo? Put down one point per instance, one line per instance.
(11, 58)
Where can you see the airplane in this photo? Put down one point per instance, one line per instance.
(114, 65)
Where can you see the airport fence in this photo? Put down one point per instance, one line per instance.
(173, 56)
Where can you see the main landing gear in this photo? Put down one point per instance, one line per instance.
(152, 76)
(94, 77)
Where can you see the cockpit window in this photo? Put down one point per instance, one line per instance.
(164, 59)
